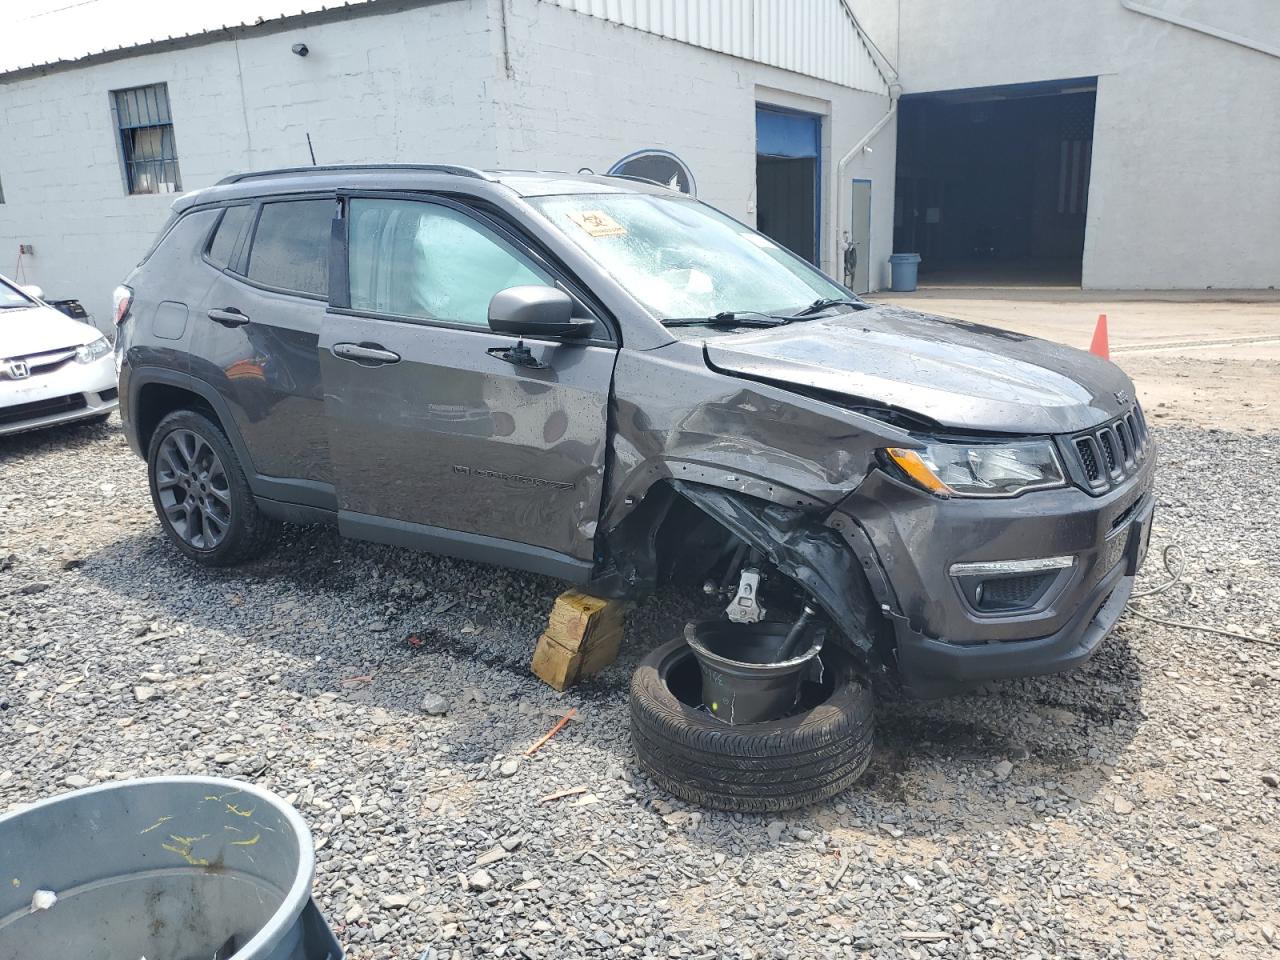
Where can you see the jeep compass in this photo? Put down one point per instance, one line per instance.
(606, 381)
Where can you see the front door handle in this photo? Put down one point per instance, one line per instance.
(229, 317)
(368, 354)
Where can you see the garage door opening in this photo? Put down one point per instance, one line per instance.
(787, 177)
(993, 182)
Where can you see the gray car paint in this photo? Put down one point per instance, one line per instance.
(451, 436)
(453, 450)
(959, 375)
(269, 372)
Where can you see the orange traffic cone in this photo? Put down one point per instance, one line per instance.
(1099, 345)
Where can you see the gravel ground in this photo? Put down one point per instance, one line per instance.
(1128, 809)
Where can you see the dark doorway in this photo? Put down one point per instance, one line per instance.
(787, 178)
(993, 182)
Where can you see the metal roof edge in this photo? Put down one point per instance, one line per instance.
(349, 9)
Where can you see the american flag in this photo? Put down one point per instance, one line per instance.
(1075, 149)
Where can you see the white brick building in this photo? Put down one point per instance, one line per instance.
(1103, 143)
(489, 83)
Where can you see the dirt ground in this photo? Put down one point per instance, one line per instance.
(1195, 360)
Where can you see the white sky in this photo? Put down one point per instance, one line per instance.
(38, 31)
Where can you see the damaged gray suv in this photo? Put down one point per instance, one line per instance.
(602, 380)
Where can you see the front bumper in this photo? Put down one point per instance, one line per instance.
(74, 391)
(944, 643)
(931, 668)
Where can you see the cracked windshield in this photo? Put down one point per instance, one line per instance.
(681, 258)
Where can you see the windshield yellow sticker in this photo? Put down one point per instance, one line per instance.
(598, 224)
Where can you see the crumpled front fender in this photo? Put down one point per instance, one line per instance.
(803, 549)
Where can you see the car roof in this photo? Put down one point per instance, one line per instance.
(416, 177)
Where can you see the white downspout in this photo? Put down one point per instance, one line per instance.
(1238, 39)
(895, 92)
(881, 63)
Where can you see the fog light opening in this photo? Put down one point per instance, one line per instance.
(1009, 587)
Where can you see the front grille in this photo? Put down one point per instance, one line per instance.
(1087, 459)
(42, 363)
(1108, 454)
(41, 408)
(1108, 441)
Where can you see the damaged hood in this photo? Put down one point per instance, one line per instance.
(957, 374)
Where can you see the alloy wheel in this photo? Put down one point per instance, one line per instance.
(193, 489)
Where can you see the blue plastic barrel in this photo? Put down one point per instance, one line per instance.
(903, 267)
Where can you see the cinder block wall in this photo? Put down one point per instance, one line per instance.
(421, 84)
(408, 86)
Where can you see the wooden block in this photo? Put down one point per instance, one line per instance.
(600, 655)
(555, 665)
(578, 618)
(582, 638)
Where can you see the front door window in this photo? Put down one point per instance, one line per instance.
(427, 261)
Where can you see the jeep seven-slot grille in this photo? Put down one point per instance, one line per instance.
(1110, 453)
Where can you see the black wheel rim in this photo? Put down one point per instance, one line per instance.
(191, 483)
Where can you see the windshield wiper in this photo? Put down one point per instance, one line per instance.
(826, 303)
(729, 318)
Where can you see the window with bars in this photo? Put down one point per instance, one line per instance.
(147, 148)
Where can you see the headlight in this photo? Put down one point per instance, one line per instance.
(980, 469)
(89, 352)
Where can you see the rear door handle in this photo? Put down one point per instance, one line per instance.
(229, 317)
(369, 354)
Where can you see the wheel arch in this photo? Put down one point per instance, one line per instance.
(793, 539)
(155, 393)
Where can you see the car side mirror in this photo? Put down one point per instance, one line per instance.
(536, 311)
(31, 290)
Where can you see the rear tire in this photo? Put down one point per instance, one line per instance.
(201, 495)
(755, 767)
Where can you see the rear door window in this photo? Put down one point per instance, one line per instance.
(224, 239)
(291, 246)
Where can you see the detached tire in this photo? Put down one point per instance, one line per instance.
(755, 767)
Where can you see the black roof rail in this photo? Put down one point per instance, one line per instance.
(454, 169)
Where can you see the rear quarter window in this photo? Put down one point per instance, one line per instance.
(291, 246)
(228, 232)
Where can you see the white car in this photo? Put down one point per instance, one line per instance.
(53, 369)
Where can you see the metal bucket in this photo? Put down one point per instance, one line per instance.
(170, 868)
(742, 681)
